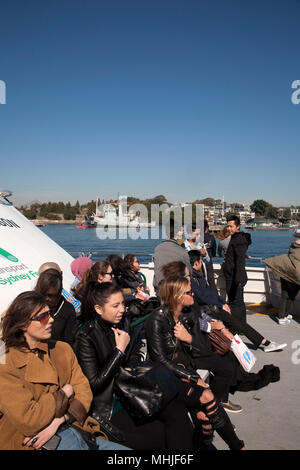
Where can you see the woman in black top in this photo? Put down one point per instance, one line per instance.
(175, 340)
(49, 284)
(102, 347)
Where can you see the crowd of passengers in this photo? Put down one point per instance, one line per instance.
(64, 353)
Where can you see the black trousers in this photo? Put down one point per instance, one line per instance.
(236, 302)
(224, 369)
(289, 290)
(173, 429)
(235, 325)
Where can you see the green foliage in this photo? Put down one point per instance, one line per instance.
(259, 206)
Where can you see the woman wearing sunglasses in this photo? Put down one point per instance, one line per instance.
(175, 340)
(42, 388)
(101, 271)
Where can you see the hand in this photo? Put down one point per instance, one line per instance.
(227, 308)
(122, 339)
(228, 334)
(216, 325)
(203, 251)
(43, 436)
(181, 333)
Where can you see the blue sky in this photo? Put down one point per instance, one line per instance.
(190, 99)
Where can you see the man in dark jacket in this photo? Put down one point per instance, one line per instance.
(234, 267)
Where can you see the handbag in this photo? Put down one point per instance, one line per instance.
(219, 342)
(245, 357)
(145, 390)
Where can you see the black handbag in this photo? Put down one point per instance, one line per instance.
(145, 390)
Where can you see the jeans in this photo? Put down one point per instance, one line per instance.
(72, 440)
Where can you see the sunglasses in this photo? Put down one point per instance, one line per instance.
(189, 292)
(43, 318)
(187, 275)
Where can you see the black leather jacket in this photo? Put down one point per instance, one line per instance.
(100, 361)
(163, 347)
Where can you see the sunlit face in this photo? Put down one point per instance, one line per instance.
(188, 297)
(106, 277)
(114, 308)
(232, 228)
(135, 267)
(40, 326)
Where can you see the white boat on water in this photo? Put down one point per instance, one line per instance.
(108, 215)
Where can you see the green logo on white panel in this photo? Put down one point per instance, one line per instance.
(9, 256)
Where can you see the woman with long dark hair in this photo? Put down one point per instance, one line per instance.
(102, 347)
(50, 284)
(42, 388)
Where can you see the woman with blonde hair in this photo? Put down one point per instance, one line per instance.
(175, 340)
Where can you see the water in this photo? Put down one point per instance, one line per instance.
(265, 243)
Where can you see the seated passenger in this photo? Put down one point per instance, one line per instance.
(78, 267)
(101, 271)
(102, 347)
(49, 284)
(42, 388)
(131, 276)
(69, 297)
(205, 295)
(182, 355)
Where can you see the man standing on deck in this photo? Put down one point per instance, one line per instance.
(234, 267)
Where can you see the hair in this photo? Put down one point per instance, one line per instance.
(224, 233)
(172, 290)
(96, 294)
(98, 269)
(51, 278)
(117, 264)
(173, 268)
(194, 256)
(235, 219)
(128, 261)
(17, 318)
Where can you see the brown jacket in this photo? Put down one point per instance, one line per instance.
(29, 383)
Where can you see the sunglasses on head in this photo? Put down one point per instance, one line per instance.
(42, 317)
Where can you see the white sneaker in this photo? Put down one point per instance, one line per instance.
(284, 321)
(289, 317)
(274, 347)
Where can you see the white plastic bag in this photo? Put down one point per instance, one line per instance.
(245, 357)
